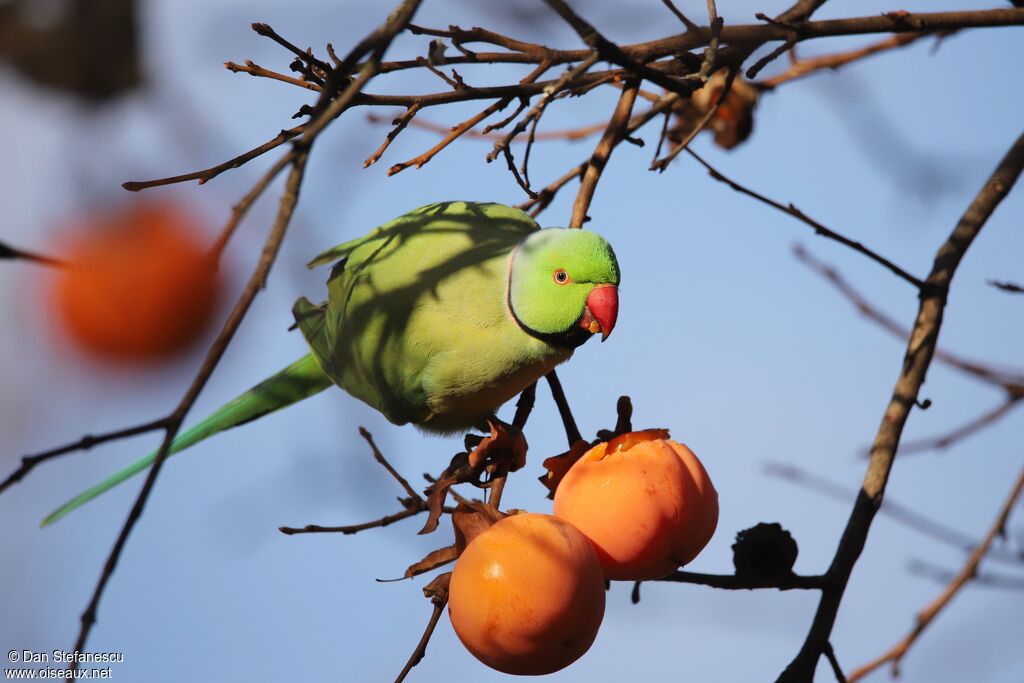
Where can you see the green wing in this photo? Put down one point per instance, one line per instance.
(299, 380)
(428, 283)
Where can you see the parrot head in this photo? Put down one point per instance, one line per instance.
(563, 286)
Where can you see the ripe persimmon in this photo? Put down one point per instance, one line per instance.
(139, 285)
(644, 501)
(527, 595)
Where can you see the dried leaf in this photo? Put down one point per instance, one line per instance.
(433, 560)
(558, 465)
(472, 520)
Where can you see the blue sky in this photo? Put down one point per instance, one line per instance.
(723, 337)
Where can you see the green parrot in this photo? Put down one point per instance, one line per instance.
(436, 318)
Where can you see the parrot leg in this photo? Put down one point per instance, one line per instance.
(504, 436)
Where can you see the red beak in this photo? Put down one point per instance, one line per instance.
(602, 310)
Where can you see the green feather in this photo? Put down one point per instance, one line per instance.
(299, 380)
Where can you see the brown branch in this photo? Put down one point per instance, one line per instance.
(661, 164)
(617, 128)
(524, 406)
(898, 513)
(963, 431)
(455, 132)
(830, 655)
(989, 580)
(208, 174)
(804, 67)
(549, 92)
(545, 196)
(1010, 287)
(241, 208)
(747, 36)
(414, 506)
(577, 133)
(572, 432)
(733, 582)
(9, 252)
(379, 457)
(399, 124)
(1009, 379)
(770, 57)
(314, 64)
(255, 284)
(920, 350)
(924, 618)
(690, 26)
(615, 54)
(437, 591)
(254, 69)
(819, 229)
(29, 462)
(378, 43)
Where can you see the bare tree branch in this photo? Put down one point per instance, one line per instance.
(819, 229)
(920, 350)
(895, 654)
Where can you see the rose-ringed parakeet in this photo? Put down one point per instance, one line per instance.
(436, 318)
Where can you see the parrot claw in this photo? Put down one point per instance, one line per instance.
(503, 436)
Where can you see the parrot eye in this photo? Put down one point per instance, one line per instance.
(561, 277)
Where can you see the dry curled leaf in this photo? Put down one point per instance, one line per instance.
(433, 560)
(558, 465)
(472, 520)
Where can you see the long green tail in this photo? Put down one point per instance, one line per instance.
(300, 380)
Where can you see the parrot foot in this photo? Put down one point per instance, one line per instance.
(504, 436)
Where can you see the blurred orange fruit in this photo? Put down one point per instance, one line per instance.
(644, 501)
(527, 595)
(140, 285)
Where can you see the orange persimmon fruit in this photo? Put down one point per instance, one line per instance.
(644, 501)
(527, 595)
(139, 286)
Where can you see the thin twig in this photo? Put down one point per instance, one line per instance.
(550, 91)
(241, 208)
(617, 126)
(439, 599)
(662, 164)
(924, 618)
(9, 252)
(690, 26)
(208, 174)
(819, 229)
(733, 582)
(830, 655)
(379, 457)
(524, 406)
(254, 69)
(898, 513)
(545, 196)
(920, 349)
(455, 132)
(572, 432)
(267, 31)
(399, 124)
(414, 507)
(965, 430)
(29, 462)
(804, 67)
(1008, 379)
(615, 54)
(1011, 287)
